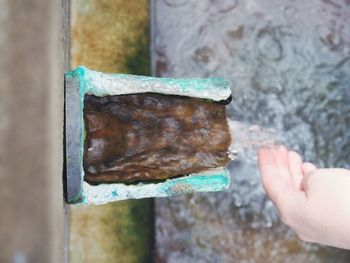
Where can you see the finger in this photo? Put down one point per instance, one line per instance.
(281, 155)
(308, 168)
(295, 168)
(288, 200)
(273, 174)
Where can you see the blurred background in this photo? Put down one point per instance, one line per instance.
(289, 67)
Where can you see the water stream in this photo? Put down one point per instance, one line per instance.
(289, 66)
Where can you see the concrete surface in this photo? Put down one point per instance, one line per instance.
(32, 212)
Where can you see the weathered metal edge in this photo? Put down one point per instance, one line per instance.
(208, 181)
(102, 84)
(73, 129)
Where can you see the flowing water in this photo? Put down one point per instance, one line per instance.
(289, 66)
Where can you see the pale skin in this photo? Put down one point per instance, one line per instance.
(315, 203)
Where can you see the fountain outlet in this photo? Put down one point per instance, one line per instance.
(131, 137)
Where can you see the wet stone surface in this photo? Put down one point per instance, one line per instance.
(289, 65)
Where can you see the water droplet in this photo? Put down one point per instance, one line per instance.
(238, 203)
(269, 46)
(255, 128)
(205, 58)
(329, 37)
(225, 5)
(236, 33)
(289, 11)
(176, 2)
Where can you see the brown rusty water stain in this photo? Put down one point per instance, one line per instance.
(144, 137)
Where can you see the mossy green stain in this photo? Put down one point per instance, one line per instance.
(139, 62)
(138, 228)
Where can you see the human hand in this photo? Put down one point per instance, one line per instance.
(315, 203)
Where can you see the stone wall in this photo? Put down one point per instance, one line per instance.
(32, 210)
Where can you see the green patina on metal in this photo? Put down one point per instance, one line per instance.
(200, 181)
(209, 181)
(102, 84)
(219, 181)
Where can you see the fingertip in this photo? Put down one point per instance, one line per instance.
(308, 168)
(294, 157)
(266, 157)
(281, 156)
(282, 148)
(261, 152)
(295, 162)
(295, 168)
